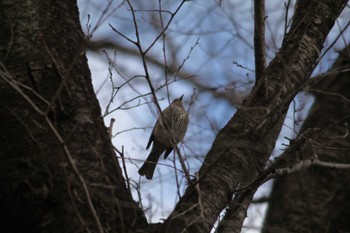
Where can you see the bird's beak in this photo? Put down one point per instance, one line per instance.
(181, 97)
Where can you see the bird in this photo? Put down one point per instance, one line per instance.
(168, 131)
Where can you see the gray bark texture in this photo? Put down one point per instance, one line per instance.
(58, 169)
(318, 199)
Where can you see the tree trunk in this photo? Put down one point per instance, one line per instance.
(58, 169)
(318, 199)
(241, 149)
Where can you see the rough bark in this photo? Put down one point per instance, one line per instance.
(318, 199)
(243, 146)
(58, 169)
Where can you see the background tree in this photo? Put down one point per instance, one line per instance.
(64, 166)
(317, 199)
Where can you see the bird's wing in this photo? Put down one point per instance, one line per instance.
(151, 138)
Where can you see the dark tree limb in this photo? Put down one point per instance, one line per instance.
(58, 169)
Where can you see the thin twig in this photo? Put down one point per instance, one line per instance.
(166, 26)
(183, 165)
(286, 23)
(124, 168)
(110, 128)
(303, 164)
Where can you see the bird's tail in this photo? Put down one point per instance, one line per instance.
(150, 164)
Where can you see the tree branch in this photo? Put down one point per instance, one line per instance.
(259, 38)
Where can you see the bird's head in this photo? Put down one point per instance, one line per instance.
(178, 100)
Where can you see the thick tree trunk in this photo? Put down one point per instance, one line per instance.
(318, 199)
(58, 169)
(243, 146)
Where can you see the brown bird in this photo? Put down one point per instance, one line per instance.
(169, 130)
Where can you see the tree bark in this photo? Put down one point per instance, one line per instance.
(58, 169)
(241, 149)
(317, 199)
